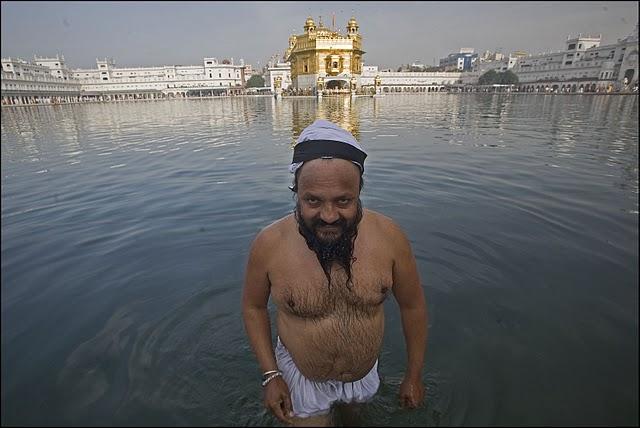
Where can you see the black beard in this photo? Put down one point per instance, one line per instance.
(339, 250)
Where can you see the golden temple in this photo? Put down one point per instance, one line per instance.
(323, 58)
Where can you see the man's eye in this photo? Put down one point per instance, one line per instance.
(344, 201)
(312, 201)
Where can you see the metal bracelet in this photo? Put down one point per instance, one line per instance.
(270, 378)
(269, 372)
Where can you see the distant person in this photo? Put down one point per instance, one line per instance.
(329, 266)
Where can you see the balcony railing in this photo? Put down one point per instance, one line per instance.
(38, 79)
(118, 80)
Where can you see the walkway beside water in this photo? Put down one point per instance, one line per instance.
(56, 101)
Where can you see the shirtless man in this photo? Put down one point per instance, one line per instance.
(329, 267)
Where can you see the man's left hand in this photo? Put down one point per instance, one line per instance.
(411, 392)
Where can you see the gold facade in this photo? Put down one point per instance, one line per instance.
(324, 53)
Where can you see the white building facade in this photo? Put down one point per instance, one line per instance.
(176, 79)
(281, 70)
(499, 65)
(583, 66)
(18, 67)
(392, 81)
(49, 80)
(56, 66)
(24, 82)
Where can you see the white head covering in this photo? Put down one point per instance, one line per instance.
(325, 130)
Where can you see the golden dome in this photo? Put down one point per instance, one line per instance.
(309, 22)
(352, 26)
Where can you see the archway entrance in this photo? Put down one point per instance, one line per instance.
(628, 76)
(337, 86)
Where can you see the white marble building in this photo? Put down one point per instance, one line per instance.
(281, 70)
(407, 81)
(24, 82)
(211, 75)
(18, 67)
(56, 65)
(49, 80)
(499, 65)
(582, 66)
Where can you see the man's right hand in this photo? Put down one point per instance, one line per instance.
(278, 400)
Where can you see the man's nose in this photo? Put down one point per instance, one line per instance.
(329, 214)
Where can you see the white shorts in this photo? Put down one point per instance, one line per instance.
(310, 398)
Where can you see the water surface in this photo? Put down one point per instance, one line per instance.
(126, 228)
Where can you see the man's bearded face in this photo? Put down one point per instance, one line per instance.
(328, 233)
(331, 242)
(328, 210)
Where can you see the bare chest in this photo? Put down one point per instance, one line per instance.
(301, 288)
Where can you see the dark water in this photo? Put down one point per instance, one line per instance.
(125, 230)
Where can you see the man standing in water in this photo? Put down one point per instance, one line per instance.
(329, 267)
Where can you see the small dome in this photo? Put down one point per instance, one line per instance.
(309, 22)
(352, 22)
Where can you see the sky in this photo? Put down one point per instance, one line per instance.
(394, 33)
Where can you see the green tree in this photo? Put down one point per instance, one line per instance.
(493, 77)
(508, 78)
(489, 78)
(255, 81)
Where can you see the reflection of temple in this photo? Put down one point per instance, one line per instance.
(335, 109)
(322, 58)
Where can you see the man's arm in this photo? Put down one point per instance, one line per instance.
(255, 298)
(413, 310)
(255, 315)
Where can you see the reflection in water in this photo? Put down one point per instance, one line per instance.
(155, 128)
(337, 109)
(126, 228)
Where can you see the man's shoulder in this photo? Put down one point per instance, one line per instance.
(279, 226)
(382, 222)
(273, 233)
(386, 228)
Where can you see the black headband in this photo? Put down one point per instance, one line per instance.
(336, 149)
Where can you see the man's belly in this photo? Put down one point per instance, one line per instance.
(338, 347)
